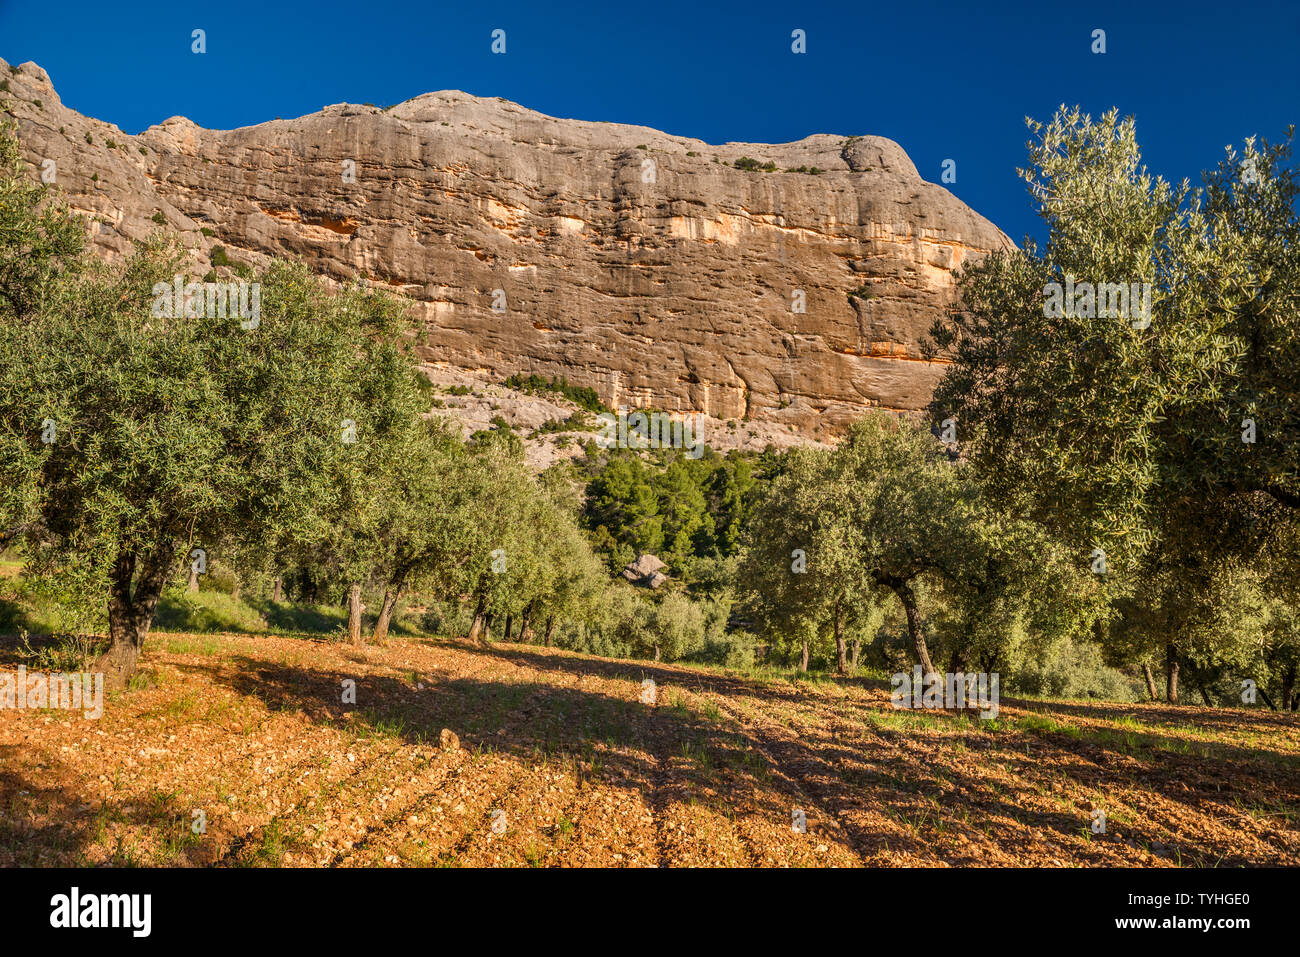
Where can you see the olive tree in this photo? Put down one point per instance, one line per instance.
(1142, 363)
(138, 427)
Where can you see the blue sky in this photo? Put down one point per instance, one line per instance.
(946, 80)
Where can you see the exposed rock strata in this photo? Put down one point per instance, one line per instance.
(641, 264)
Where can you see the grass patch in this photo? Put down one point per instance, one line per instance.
(1045, 724)
(206, 611)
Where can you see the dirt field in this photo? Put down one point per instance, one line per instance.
(252, 732)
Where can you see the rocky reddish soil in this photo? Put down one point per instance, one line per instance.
(252, 731)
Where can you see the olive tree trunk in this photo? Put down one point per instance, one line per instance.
(391, 594)
(135, 585)
(1288, 689)
(915, 628)
(1151, 681)
(476, 626)
(354, 614)
(841, 647)
(1171, 674)
(1205, 695)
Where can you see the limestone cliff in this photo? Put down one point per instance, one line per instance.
(647, 266)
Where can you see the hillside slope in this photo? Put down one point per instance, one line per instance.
(252, 731)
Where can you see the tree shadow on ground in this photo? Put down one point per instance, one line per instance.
(637, 669)
(47, 818)
(1162, 713)
(671, 754)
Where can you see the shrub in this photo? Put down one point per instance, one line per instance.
(736, 650)
(446, 618)
(579, 395)
(578, 422)
(221, 577)
(65, 652)
(1067, 669)
(674, 625)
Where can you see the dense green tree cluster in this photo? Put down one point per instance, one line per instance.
(889, 515)
(686, 511)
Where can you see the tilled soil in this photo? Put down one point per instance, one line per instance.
(240, 750)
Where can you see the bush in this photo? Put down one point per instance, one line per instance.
(736, 650)
(62, 652)
(221, 577)
(444, 618)
(578, 422)
(56, 601)
(1067, 669)
(579, 395)
(674, 624)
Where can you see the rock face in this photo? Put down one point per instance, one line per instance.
(646, 571)
(644, 265)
